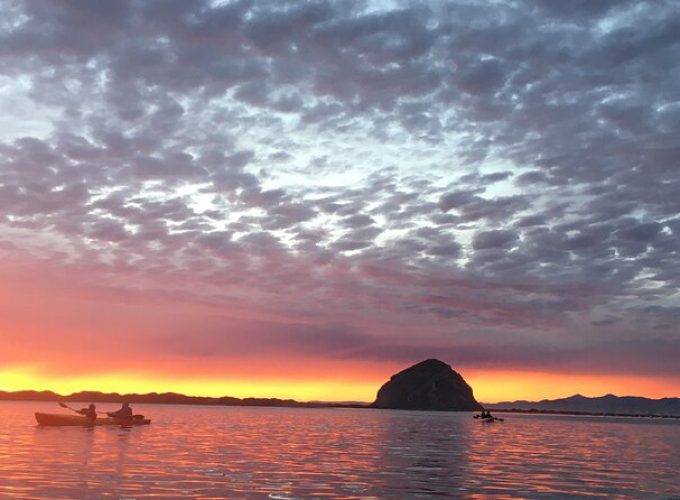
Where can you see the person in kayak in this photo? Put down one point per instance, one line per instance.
(124, 412)
(90, 412)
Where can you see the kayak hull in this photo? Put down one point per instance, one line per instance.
(57, 419)
(487, 420)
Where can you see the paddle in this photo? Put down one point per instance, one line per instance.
(64, 405)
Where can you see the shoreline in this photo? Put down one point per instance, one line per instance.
(181, 399)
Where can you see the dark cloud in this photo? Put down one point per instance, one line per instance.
(496, 238)
(359, 220)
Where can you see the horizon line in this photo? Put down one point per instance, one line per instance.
(313, 401)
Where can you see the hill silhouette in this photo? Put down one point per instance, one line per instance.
(149, 398)
(608, 404)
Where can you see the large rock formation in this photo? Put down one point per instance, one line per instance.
(428, 385)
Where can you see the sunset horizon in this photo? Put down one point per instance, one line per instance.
(299, 200)
(488, 387)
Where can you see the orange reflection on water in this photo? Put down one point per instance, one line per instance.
(232, 452)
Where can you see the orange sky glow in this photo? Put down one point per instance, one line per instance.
(62, 333)
(489, 386)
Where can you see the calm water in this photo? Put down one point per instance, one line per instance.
(205, 452)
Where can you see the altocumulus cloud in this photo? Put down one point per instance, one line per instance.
(490, 173)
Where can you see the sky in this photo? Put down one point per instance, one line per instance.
(299, 199)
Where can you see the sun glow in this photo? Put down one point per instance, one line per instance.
(298, 389)
(489, 387)
(495, 386)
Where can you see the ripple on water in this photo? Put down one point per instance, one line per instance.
(212, 452)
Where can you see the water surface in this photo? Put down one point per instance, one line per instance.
(286, 453)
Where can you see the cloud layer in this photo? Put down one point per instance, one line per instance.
(497, 182)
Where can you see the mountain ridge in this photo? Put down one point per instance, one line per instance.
(150, 398)
(609, 403)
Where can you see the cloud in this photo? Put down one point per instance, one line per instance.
(431, 162)
(494, 239)
(326, 340)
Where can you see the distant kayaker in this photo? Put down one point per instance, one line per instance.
(486, 414)
(124, 412)
(90, 412)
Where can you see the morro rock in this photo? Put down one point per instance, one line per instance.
(428, 385)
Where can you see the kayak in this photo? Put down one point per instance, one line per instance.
(59, 419)
(488, 419)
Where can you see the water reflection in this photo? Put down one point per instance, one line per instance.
(199, 452)
(421, 456)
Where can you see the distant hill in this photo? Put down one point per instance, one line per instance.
(629, 405)
(609, 404)
(428, 385)
(151, 398)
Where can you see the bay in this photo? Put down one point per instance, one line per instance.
(287, 453)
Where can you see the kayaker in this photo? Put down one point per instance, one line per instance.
(124, 412)
(90, 412)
